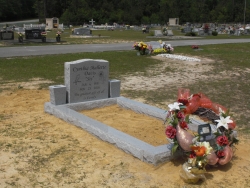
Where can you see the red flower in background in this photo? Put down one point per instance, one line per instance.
(170, 132)
(194, 47)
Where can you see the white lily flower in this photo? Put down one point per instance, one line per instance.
(174, 106)
(224, 122)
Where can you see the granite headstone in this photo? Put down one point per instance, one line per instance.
(82, 31)
(158, 33)
(86, 80)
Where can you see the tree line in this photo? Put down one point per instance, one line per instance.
(78, 12)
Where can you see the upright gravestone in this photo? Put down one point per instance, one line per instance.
(82, 31)
(158, 33)
(86, 80)
(6, 35)
(170, 33)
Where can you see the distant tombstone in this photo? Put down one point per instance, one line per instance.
(201, 32)
(158, 33)
(6, 35)
(34, 33)
(86, 80)
(82, 31)
(187, 29)
(196, 30)
(170, 33)
(237, 32)
(92, 22)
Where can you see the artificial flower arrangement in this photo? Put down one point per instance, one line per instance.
(195, 47)
(43, 33)
(58, 33)
(142, 48)
(165, 48)
(200, 153)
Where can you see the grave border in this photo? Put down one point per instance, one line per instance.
(138, 148)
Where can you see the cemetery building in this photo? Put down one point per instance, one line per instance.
(52, 23)
(173, 21)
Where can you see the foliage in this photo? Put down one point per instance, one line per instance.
(191, 34)
(77, 12)
(214, 33)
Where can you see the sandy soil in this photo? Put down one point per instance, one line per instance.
(40, 150)
(134, 124)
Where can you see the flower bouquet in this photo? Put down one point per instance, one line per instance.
(142, 48)
(193, 170)
(199, 150)
(44, 33)
(165, 48)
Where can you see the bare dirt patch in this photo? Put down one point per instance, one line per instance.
(140, 126)
(169, 72)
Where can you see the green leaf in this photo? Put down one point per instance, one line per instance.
(174, 148)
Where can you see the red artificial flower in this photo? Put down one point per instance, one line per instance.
(220, 153)
(192, 155)
(183, 125)
(180, 115)
(183, 101)
(222, 140)
(170, 132)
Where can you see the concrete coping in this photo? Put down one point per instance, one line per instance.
(138, 148)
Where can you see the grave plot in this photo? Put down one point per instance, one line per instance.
(87, 86)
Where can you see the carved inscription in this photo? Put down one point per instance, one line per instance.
(88, 80)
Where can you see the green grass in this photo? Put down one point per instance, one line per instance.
(51, 67)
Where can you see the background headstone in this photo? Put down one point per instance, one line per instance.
(6, 35)
(86, 80)
(82, 31)
(158, 33)
(170, 33)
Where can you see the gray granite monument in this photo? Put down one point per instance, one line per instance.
(86, 80)
(82, 31)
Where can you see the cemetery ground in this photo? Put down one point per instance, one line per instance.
(40, 150)
(108, 36)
